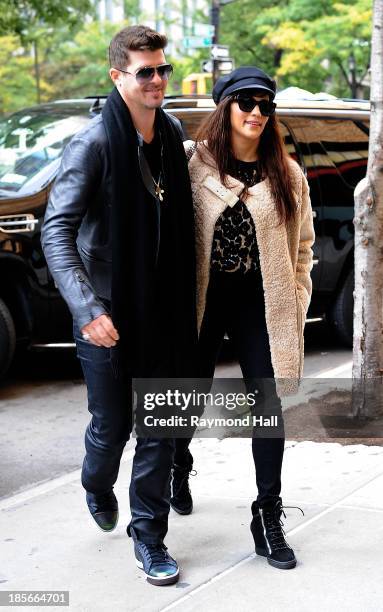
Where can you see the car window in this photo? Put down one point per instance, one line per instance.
(298, 126)
(31, 145)
(335, 150)
(289, 142)
(190, 120)
(336, 155)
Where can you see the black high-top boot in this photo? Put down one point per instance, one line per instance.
(181, 500)
(269, 536)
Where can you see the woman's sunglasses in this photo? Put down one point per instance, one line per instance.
(145, 75)
(247, 104)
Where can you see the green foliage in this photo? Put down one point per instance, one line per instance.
(32, 23)
(17, 84)
(79, 67)
(132, 10)
(19, 16)
(301, 42)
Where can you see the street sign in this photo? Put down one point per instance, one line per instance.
(193, 42)
(225, 65)
(203, 29)
(207, 66)
(219, 51)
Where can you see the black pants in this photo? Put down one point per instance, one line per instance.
(235, 305)
(109, 402)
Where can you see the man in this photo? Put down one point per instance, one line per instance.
(118, 238)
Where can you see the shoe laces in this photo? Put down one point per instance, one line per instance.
(181, 477)
(274, 524)
(157, 553)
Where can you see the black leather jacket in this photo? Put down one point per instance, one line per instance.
(75, 236)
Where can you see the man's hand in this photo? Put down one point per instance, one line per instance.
(101, 332)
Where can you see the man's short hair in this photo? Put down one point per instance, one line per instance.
(134, 38)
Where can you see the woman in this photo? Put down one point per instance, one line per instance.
(254, 233)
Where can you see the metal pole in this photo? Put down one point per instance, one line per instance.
(215, 7)
(37, 71)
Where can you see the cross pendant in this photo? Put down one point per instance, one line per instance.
(159, 193)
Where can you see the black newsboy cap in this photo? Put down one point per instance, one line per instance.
(245, 77)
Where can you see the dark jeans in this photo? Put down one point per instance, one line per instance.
(235, 305)
(109, 402)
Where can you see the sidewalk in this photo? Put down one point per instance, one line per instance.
(49, 541)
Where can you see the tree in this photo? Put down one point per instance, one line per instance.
(132, 10)
(79, 66)
(17, 84)
(30, 21)
(344, 39)
(17, 16)
(301, 42)
(367, 389)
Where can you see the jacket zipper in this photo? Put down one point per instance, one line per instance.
(81, 278)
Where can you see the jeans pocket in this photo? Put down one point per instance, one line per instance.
(86, 351)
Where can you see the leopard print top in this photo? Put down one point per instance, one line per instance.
(235, 246)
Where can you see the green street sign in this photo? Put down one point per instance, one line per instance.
(193, 42)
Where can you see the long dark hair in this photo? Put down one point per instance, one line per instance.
(272, 155)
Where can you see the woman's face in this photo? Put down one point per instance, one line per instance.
(248, 125)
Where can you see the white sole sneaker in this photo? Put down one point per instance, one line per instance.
(159, 581)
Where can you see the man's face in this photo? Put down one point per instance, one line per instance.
(148, 95)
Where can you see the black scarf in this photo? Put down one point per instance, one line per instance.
(141, 282)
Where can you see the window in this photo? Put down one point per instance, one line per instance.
(335, 152)
(31, 146)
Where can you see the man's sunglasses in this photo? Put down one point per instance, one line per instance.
(247, 104)
(145, 75)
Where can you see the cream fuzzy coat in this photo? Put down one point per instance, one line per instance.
(285, 254)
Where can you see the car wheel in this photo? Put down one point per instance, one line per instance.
(342, 313)
(7, 338)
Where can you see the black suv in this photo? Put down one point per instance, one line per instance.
(329, 139)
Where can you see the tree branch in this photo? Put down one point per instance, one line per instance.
(344, 73)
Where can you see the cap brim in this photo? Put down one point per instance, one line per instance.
(230, 91)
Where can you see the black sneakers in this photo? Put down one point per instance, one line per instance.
(159, 567)
(268, 534)
(104, 509)
(181, 500)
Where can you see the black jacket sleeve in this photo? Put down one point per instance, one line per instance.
(70, 198)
